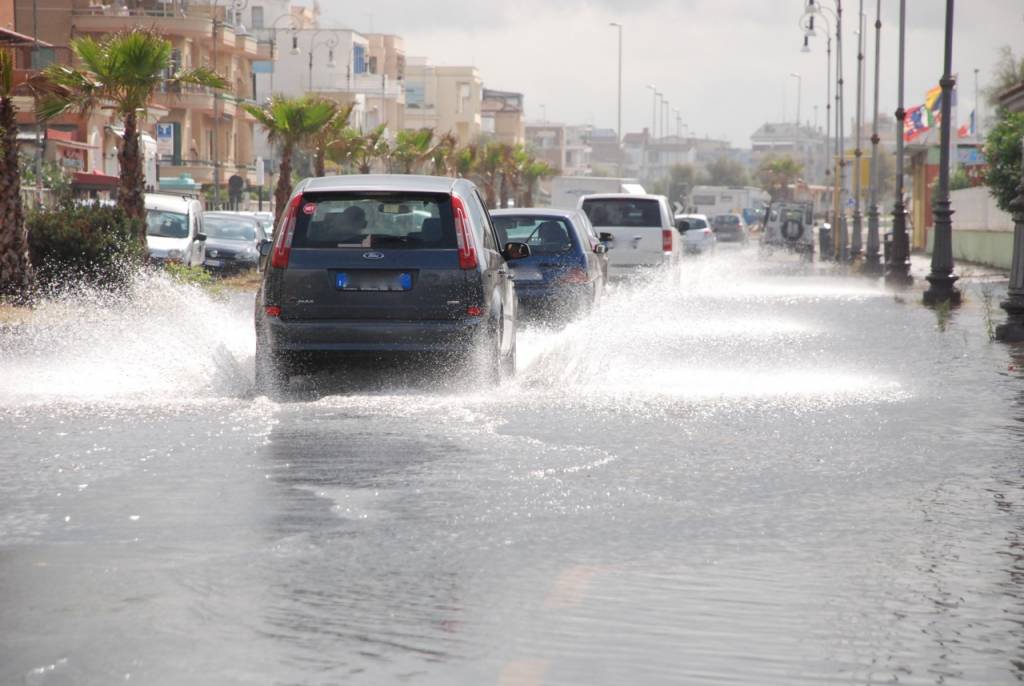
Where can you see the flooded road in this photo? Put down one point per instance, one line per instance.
(763, 475)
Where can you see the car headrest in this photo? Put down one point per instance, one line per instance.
(552, 232)
(431, 230)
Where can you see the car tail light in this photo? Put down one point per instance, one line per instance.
(283, 247)
(707, 232)
(666, 240)
(273, 311)
(474, 311)
(574, 275)
(467, 251)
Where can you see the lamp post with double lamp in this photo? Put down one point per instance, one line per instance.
(809, 32)
(618, 130)
(234, 6)
(331, 42)
(941, 278)
(872, 265)
(799, 89)
(897, 267)
(293, 28)
(812, 9)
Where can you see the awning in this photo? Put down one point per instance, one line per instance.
(10, 37)
(77, 145)
(90, 180)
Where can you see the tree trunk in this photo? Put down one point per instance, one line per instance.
(490, 195)
(504, 191)
(528, 194)
(132, 196)
(320, 162)
(283, 191)
(15, 266)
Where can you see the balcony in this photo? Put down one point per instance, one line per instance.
(200, 170)
(187, 98)
(108, 20)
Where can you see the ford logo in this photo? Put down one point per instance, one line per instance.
(373, 256)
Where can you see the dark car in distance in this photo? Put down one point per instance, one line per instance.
(379, 265)
(566, 271)
(730, 228)
(232, 241)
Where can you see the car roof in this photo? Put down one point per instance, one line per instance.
(167, 201)
(692, 216)
(383, 182)
(621, 196)
(535, 212)
(233, 215)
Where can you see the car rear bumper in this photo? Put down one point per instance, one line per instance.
(372, 336)
(630, 271)
(552, 299)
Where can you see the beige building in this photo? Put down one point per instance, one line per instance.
(502, 116)
(445, 99)
(205, 135)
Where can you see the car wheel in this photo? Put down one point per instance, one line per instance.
(270, 371)
(508, 363)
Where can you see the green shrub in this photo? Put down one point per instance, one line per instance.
(86, 244)
(1003, 153)
(196, 276)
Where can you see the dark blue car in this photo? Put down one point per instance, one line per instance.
(567, 269)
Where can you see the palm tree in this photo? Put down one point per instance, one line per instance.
(513, 158)
(290, 122)
(411, 149)
(533, 171)
(125, 70)
(488, 172)
(15, 266)
(776, 174)
(344, 149)
(465, 160)
(322, 139)
(373, 148)
(444, 155)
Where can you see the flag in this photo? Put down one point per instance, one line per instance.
(967, 129)
(916, 121)
(933, 99)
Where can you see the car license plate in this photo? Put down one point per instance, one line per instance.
(214, 263)
(373, 281)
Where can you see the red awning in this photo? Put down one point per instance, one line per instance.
(95, 180)
(14, 38)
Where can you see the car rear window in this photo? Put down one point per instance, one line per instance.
(623, 212)
(687, 223)
(544, 235)
(406, 221)
(230, 228)
(725, 219)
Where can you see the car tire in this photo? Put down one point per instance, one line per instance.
(508, 363)
(271, 374)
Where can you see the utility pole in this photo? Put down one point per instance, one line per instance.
(942, 278)
(897, 269)
(799, 89)
(872, 264)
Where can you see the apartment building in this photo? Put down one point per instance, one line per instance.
(205, 135)
(502, 116)
(804, 144)
(445, 99)
(563, 147)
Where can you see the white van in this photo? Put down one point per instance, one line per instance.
(174, 229)
(641, 226)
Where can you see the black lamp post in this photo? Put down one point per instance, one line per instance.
(871, 262)
(897, 269)
(1013, 330)
(941, 279)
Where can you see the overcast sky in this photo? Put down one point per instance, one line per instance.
(724, 64)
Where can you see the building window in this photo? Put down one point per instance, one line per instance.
(257, 17)
(359, 59)
(373, 64)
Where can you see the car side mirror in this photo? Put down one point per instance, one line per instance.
(600, 249)
(200, 237)
(264, 247)
(516, 251)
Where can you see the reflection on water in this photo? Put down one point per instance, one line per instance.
(761, 474)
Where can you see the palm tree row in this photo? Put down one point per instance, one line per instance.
(320, 127)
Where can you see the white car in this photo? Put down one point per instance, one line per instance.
(696, 231)
(644, 235)
(174, 229)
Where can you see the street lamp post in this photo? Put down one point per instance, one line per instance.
(897, 268)
(799, 89)
(293, 27)
(619, 128)
(942, 278)
(871, 261)
(331, 42)
(858, 153)
(654, 109)
(1013, 330)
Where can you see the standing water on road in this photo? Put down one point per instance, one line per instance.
(756, 474)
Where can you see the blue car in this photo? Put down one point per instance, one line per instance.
(566, 271)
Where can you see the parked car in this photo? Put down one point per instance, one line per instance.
(174, 229)
(566, 270)
(696, 231)
(233, 241)
(730, 228)
(386, 264)
(641, 230)
(789, 226)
